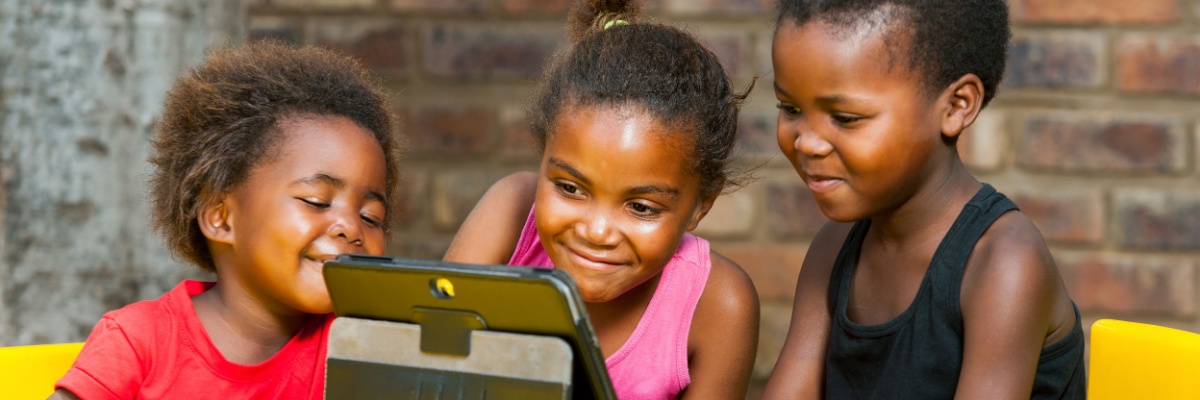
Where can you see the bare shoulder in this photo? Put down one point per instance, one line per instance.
(729, 288)
(823, 251)
(1011, 252)
(723, 337)
(1011, 272)
(492, 229)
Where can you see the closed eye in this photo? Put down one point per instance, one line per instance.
(846, 119)
(371, 221)
(314, 203)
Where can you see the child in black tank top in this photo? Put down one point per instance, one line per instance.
(927, 284)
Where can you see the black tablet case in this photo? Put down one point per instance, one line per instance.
(455, 347)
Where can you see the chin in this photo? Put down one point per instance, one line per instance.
(842, 214)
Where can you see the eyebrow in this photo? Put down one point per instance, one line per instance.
(337, 183)
(780, 90)
(653, 189)
(823, 100)
(570, 170)
(637, 190)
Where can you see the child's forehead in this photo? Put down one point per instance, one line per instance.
(633, 134)
(843, 52)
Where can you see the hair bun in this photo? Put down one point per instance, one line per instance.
(591, 16)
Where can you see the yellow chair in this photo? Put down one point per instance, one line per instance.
(1130, 360)
(29, 372)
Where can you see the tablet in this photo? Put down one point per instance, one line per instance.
(451, 300)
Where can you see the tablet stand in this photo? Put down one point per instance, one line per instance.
(447, 356)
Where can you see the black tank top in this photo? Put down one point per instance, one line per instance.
(918, 354)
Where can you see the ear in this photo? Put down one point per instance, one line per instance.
(702, 209)
(215, 221)
(962, 100)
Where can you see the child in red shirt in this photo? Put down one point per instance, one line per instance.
(269, 160)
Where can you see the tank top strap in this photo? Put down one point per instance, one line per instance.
(847, 258)
(950, 258)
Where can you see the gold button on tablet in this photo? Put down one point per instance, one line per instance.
(443, 288)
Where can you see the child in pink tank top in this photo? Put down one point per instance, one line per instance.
(635, 125)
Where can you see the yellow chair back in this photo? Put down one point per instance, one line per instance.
(1131, 360)
(29, 372)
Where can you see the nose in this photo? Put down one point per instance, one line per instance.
(597, 228)
(348, 226)
(812, 143)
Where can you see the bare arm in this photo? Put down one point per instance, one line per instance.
(800, 371)
(62, 394)
(724, 334)
(490, 232)
(1012, 296)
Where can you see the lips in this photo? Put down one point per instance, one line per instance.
(821, 183)
(591, 260)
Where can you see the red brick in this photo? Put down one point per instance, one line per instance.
(455, 194)
(756, 135)
(774, 320)
(412, 198)
(1064, 216)
(526, 7)
(419, 245)
(474, 50)
(1147, 64)
(440, 6)
(450, 130)
(274, 28)
(1130, 284)
(1102, 143)
(514, 129)
(1154, 219)
(731, 48)
(1058, 59)
(719, 8)
(772, 266)
(984, 146)
(732, 215)
(1096, 11)
(385, 46)
(762, 56)
(317, 5)
(791, 209)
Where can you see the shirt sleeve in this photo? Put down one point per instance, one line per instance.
(108, 367)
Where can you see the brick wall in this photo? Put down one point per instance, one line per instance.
(1094, 132)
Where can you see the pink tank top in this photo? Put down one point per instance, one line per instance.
(653, 363)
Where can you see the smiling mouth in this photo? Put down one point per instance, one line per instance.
(820, 183)
(592, 261)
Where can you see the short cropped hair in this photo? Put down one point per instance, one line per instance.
(947, 39)
(223, 117)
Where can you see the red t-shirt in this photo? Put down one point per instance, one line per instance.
(158, 349)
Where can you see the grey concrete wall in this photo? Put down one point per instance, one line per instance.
(81, 83)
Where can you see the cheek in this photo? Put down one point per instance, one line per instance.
(376, 243)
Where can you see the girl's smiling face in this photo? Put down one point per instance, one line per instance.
(854, 119)
(318, 193)
(616, 193)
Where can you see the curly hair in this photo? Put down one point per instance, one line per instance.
(617, 61)
(222, 118)
(947, 39)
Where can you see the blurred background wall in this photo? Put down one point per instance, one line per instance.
(1094, 134)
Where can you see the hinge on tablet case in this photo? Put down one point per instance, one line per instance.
(447, 331)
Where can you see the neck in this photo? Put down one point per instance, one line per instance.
(930, 212)
(243, 328)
